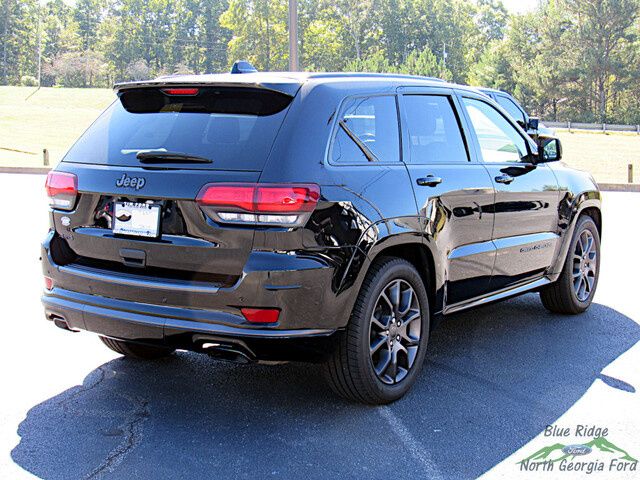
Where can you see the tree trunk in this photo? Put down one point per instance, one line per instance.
(602, 101)
(268, 42)
(5, 43)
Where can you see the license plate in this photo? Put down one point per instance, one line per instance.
(139, 219)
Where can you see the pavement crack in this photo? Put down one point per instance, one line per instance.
(101, 375)
(132, 428)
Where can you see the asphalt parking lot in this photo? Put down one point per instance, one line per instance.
(494, 379)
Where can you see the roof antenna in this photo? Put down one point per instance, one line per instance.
(242, 66)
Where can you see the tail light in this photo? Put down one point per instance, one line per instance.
(48, 283)
(181, 91)
(259, 203)
(62, 189)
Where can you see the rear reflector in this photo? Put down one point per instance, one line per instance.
(62, 189)
(258, 203)
(48, 283)
(180, 91)
(260, 315)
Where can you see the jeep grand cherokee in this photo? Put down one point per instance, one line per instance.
(332, 218)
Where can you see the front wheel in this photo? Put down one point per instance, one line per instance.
(573, 292)
(382, 351)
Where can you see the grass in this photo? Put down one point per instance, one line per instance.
(53, 118)
(605, 156)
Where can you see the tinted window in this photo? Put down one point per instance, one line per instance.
(434, 130)
(233, 134)
(233, 100)
(499, 140)
(369, 124)
(511, 108)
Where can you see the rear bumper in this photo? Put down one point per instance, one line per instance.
(190, 315)
(160, 326)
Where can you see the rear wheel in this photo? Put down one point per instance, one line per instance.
(382, 351)
(573, 292)
(130, 349)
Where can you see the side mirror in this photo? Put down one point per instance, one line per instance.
(549, 149)
(534, 123)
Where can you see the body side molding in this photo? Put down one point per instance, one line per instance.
(500, 295)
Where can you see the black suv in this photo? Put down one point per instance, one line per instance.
(330, 218)
(532, 125)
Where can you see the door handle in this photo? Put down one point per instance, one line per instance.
(429, 181)
(504, 179)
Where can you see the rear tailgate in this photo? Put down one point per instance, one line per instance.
(194, 136)
(190, 245)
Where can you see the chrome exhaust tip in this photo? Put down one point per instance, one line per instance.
(226, 352)
(60, 322)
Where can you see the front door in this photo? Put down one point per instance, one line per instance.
(453, 193)
(525, 230)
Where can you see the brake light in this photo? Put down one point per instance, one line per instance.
(260, 315)
(62, 189)
(256, 203)
(180, 91)
(48, 283)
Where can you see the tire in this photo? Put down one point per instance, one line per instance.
(565, 296)
(350, 370)
(136, 350)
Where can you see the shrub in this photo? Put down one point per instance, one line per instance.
(28, 81)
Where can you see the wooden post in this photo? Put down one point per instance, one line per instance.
(45, 157)
(630, 173)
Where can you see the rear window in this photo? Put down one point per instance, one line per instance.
(233, 127)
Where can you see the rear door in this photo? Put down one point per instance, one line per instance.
(218, 134)
(366, 173)
(527, 197)
(453, 193)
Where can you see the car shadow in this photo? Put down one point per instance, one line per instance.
(493, 379)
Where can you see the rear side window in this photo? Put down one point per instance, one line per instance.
(367, 131)
(233, 127)
(511, 108)
(434, 130)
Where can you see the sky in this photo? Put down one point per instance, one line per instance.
(520, 6)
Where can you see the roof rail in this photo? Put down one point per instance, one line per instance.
(374, 75)
(242, 66)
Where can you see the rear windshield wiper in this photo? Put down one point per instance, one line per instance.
(367, 152)
(170, 157)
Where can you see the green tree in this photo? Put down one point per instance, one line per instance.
(18, 39)
(425, 63)
(493, 68)
(375, 62)
(260, 33)
(88, 15)
(321, 36)
(605, 34)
